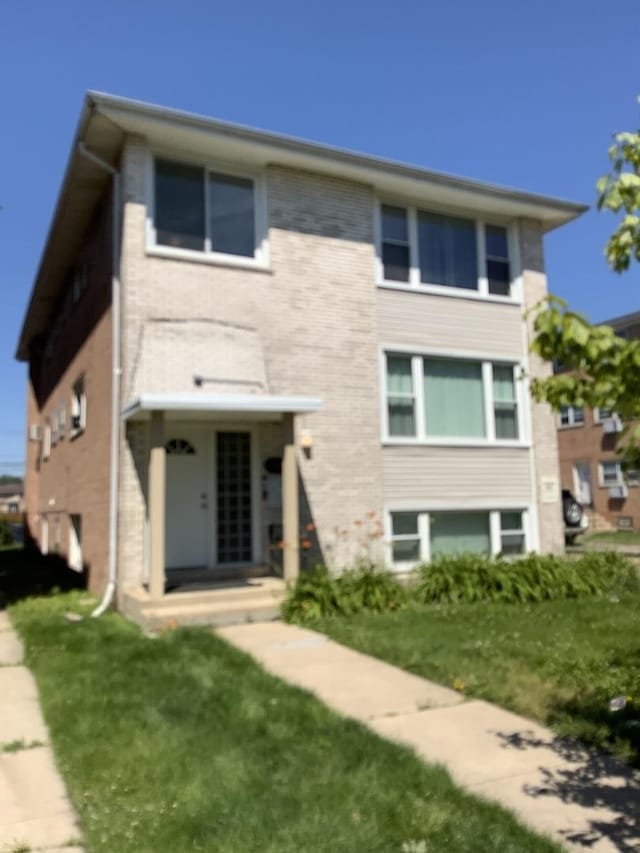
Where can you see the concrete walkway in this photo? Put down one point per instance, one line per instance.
(35, 812)
(584, 800)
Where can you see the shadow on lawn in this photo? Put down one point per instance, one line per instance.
(25, 572)
(589, 779)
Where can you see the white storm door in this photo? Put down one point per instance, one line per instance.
(187, 517)
(582, 482)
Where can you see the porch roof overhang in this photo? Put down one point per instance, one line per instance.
(195, 405)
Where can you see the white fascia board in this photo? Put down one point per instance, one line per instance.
(220, 403)
(188, 132)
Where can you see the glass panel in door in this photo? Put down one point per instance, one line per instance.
(233, 482)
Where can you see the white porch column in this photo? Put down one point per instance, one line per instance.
(290, 511)
(157, 490)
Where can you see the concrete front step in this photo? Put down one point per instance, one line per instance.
(224, 604)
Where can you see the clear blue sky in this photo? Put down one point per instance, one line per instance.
(521, 94)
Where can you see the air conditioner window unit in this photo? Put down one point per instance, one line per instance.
(613, 424)
(35, 432)
(618, 492)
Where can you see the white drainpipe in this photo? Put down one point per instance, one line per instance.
(114, 475)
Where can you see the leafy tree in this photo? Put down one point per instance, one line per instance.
(600, 369)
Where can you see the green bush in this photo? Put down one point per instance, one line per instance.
(469, 578)
(459, 578)
(318, 593)
(6, 534)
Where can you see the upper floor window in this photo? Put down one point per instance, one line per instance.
(431, 397)
(423, 248)
(204, 211)
(610, 474)
(571, 416)
(46, 440)
(78, 407)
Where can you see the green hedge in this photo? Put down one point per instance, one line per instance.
(319, 593)
(460, 578)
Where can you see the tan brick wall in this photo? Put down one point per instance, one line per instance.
(75, 477)
(545, 438)
(315, 313)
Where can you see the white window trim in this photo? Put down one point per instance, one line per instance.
(78, 407)
(46, 441)
(598, 419)
(74, 558)
(620, 478)
(44, 535)
(424, 511)
(260, 260)
(414, 285)
(572, 424)
(421, 438)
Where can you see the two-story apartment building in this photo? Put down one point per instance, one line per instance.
(243, 347)
(589, 463)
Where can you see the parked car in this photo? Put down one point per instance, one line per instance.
(575, 518)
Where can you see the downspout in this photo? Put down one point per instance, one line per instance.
(114, 474)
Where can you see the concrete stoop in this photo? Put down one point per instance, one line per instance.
(225, 603)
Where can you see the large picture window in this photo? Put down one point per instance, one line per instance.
(455, 398)
(423, 249)
(203, 211)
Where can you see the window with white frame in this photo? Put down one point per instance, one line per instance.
(74, 556)
(46, 440)
(56, 534)
(78, 407)
(44, 535)
(205, 211)
(610, 474)
(433, 397)
(423, 248)
(423, 535)
(571, 416)
(600, 415)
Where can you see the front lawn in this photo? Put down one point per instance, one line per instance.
(614, 537)
(182, 743)
(560, 662)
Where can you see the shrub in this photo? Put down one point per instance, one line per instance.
(469, 578)
(6, 534)
(318, 593)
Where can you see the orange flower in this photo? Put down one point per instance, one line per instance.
(310, 526)
(306, 544)
(358, 522)
(281, 544)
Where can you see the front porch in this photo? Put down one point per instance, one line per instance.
(222, 518)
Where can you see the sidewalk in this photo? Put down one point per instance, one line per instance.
(584, 800)
(35, 812)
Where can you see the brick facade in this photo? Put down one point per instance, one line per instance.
(313, 313)
(74, 479)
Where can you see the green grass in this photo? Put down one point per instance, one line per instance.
(614, 537)
(559, 662)
(182, 743)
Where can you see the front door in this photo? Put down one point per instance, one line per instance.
(209, 499)
(187, 499)
(582, 482)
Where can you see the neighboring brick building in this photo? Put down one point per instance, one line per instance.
(305, 341)
(589, 465)
(11, 498)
